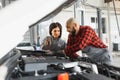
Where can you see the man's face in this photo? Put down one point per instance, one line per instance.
(71, 28)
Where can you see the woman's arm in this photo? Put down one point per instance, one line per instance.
(46, 43)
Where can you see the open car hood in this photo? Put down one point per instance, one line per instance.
(16, 18)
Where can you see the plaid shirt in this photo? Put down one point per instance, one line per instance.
(86, 36)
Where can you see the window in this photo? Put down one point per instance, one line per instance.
(103, 25)
(92, 19)
(95, 20)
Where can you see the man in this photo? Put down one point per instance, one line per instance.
(84, 38)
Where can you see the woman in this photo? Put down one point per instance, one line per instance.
(53, 43)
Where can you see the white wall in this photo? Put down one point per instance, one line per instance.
(97, 3)
(62, 17)
(114, 29)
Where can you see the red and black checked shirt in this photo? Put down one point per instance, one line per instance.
(85, 37)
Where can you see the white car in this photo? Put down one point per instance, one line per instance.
(25, 46)
(14, 22)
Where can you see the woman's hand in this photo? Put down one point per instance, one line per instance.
(47, 41)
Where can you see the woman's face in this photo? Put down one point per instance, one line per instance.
(56, 32)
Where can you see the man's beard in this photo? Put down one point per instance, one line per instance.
(73, 32)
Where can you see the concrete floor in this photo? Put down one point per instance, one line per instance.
(116, 58)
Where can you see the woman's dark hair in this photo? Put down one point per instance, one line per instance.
(54, 25)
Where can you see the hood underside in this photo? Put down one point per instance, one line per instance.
(16, 18)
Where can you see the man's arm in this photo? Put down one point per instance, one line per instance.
(82, 42)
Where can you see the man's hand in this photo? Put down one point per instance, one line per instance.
(83, 58)
(86, 59)
(79, 58)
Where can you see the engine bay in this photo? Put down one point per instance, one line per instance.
(37, 65)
